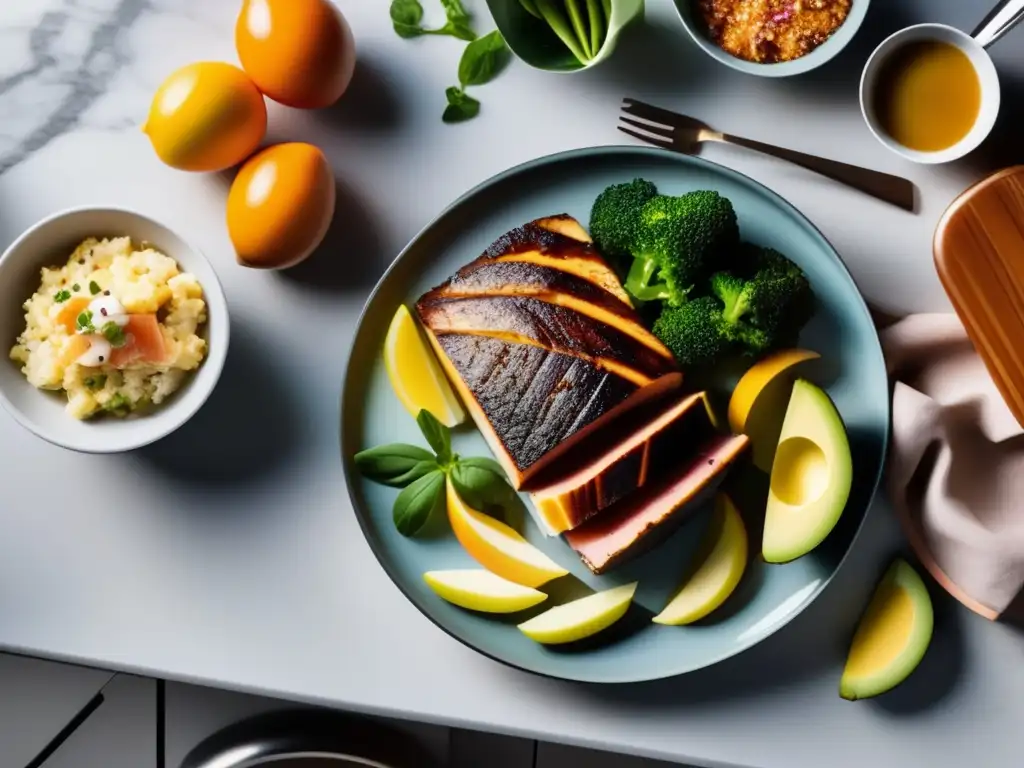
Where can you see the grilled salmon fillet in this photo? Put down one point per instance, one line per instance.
(540, 340)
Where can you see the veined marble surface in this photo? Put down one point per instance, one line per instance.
(230, 556)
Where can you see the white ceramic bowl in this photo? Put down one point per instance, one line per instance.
(990, 92)
(49, 243)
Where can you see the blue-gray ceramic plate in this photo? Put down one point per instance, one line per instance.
(635, 649)
(691, 18)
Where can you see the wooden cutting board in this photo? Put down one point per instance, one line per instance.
(979, 255)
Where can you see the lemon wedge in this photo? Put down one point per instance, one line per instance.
(720, 562)
(415, 374)
(892, 637)
(580, 618)
(480, 590)
(499, 548)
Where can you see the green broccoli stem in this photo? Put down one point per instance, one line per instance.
(638, 281)
(735, 308)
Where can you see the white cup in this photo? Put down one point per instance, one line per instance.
(1000, 21)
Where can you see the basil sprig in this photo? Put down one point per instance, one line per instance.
(422, 474)
(482, 60)
(407, 15)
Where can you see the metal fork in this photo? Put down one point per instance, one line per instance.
(670, 130)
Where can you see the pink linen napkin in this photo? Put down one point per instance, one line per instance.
(956, 467)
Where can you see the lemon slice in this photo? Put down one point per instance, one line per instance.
(720, 562)
(480, 590)
(499, 548)
(580, 618)
(415, 374)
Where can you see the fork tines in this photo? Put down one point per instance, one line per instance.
(655, 126)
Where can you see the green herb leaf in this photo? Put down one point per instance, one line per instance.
(454, 10)
(481, 483)
(95, 382)
(61, 296)
(531, 8)
(461, 106)
(396, 464)
(437, 435)
(113, 333)
(94, 287)
(459, 29)
(84, 322)
(417, 502)
(406, 16)
(483, 59)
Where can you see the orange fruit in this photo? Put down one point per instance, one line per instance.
(298, 52)
(499, 548)
(206, 116)
(280, 206)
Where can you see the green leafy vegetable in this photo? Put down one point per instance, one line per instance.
(531, 8)
(596, 19)
(579, 26)
(113, 333)
(481, 483)
(553, 12)
(396, 464)
(84, 322)
(61, 296)
(407, 16)
(437, 435)
(461, 106)
(483, 59)
(418, 501)
(94, 287)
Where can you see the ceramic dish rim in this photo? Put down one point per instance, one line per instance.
(825, 52)
(214, 359)
(530, 165)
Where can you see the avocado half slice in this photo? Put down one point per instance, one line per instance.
(892, 637)
(811, 476)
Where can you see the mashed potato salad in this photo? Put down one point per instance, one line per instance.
(115, 328)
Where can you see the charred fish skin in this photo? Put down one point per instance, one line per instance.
(556, 328)
(533, 398)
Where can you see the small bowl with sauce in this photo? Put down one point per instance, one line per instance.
(930, 92)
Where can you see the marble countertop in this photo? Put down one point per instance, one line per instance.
(229, 555)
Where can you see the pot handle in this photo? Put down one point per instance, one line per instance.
(1001, 20)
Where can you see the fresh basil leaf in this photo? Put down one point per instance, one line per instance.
(481, 483)
(408, 30)
(461, 106)
(437, 435)
(407, 13)
(454, 10)
(417, 502)
(459, 29)
(483, 59)
(396, 464)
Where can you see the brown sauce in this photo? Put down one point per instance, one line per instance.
(772, 31)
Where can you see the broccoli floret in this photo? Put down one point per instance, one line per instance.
(676, 243)
(695, 332)
(616, 215)
(774, 299)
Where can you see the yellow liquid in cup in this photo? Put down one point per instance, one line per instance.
(928, 95)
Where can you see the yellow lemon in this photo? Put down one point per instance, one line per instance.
(482, 591)
(415, 374)
(719, 566)
(206, 116)
(499, 548)
(580, 618)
